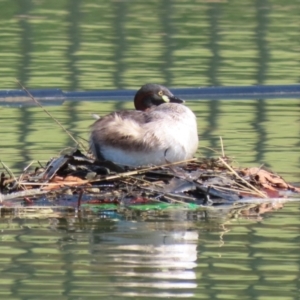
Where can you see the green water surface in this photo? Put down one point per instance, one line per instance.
(97, 44)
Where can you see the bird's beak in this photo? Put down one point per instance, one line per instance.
(172, 99)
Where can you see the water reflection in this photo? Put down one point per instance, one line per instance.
(153, 255)
(166, 255)
(95, 44)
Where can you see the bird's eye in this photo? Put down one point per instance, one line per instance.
(160, 93)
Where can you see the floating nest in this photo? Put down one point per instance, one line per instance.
(75, 183)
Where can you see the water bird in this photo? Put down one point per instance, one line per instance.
(161, 130)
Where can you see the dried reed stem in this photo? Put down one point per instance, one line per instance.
(222, 146)
(50, 115)
(141, 171)
(246, 182)
(8, 170)
(249, 191)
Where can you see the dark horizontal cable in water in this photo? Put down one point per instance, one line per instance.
(57, 96)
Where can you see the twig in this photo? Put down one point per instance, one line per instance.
(175, 200)
(259, 168)
(39, 162)
(27, 167)
(222, 146)
(24, 172)
(249, 191)
(246, 182)
(48, 113)
(11, 174)
(7, 169)
(79, 199)
(158, 191)
(22, 194)
(141, 171)
(211, 149)
(45, 184)
(243, 188)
